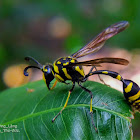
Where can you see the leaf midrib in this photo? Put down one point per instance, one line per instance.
(69, 106)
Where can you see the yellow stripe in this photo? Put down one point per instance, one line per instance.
(138, 101)
(59, 78)
(129, 87)
(72, 61)
(52, 72)
(105, 72)
(44, 77)
(58, 62)
(67, 99)
(80, 70)
(118, 77)
(91, 105)
(133, 98)
(64, 64)
(44, 69)
(54, 84)
(55, 68)
(133, 104)
(66, 73)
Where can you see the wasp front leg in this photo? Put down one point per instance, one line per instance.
(53, 85)
(65, 103)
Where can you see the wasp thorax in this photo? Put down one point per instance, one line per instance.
(63, 70)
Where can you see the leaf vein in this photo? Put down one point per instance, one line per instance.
(47, 128)
(25, 129)
(35, 129)
(65, 126)
(69, 106)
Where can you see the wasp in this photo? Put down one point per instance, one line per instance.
(69, 68)
(131, 90)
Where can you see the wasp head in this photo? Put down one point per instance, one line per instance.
(46, 69)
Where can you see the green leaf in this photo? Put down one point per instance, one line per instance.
(32, 113)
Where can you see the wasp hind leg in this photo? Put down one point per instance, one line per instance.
(93, 67)
(102, 79)
(65, 103)
(89, 74)
(91, 111)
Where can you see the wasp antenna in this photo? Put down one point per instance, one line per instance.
(28, 67)
(122, 25)
(28, 58)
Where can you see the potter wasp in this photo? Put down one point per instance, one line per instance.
(68, 68)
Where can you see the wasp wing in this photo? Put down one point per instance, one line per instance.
(97, 43)
(97, 62)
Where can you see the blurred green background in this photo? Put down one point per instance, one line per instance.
(48, 29)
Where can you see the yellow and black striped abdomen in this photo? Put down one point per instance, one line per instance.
(63, 72)
(130, 89)
(132, 93)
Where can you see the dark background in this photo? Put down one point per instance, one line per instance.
(49, 29)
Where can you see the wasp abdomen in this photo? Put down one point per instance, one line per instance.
(132, 93)
(130, 89)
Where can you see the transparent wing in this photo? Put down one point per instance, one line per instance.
(97, 43)
(99, 61)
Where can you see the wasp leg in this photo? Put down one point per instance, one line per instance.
(93, 67)
(65, 102)
(91, 111)
(89, 74)
(53, 85)
(85, 78)
(102, 79)
(106, 72)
